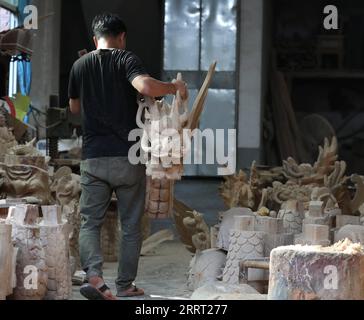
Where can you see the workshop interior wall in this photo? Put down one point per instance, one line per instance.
(144, 34)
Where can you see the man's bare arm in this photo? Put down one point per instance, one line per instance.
(75, 106)
(148, 86)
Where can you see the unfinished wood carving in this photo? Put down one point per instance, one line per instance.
(7, 261)
(31, 256)
(243, 245)
(55, 240)
(308, 174)
(191, 227)
(155, 240)
(206, 267)
(292, 213)
(280, 193)
(163, 140)
(66, 188)
(26, 155)
(7, 141)
(227, 224)
(22, 181)
(236, 191)
(357, 202)
(355, 233)
(159, 198)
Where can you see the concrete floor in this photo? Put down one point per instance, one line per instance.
(163, 273)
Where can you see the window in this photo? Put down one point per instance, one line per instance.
(11, 5)
(8, 21)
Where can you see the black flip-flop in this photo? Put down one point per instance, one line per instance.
(92, 293)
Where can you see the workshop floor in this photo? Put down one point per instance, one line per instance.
(163, 273)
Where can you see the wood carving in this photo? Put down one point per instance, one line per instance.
(26, 155)
(296, 272)
(354, 233)
(26, 237)
(22, 181)
(292, 214)
(227, 223)
(163, 139)
(155, 240)
(7, 141)
(159, 198)
(55, 240)
(206, 267)
(280, 193)
(237, 191)
(191, 227)
(306, 173)
(66, 188)
(358, 199)
(243, 245)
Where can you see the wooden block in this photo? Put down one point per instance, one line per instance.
(52, 215)
(315, 273)
(343, 220)
(244, 223)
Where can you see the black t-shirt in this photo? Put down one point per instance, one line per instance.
(102, 81)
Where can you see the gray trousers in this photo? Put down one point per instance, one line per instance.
(99, 179)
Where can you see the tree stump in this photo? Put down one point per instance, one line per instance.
(317, 273)
(31, 267)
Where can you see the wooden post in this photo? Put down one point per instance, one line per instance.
(6, 260)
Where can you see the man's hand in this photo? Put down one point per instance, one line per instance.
(181, 86)
(151, 87)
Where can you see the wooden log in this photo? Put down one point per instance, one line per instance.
(6, 260)
(317, 273)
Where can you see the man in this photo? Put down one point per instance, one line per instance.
(103, 87)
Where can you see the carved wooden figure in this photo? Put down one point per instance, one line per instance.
(31, 267)
(191, 227)
(292, 214)
(163, 140)
(55, 240)
(245, 243)
(67, 189)
(20, 181)
(206, 266)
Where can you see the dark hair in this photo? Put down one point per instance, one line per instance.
(107, 24)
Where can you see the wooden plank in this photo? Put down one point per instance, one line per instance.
(201, 99)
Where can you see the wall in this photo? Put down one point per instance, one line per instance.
(251, 82)
(46, 56)
(144, 20)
